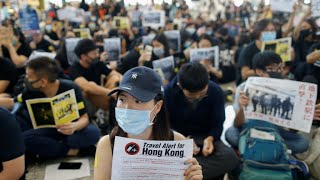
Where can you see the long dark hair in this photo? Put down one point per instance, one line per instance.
(160, 128)
(164, 41)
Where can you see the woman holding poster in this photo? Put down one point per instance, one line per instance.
(141, 114)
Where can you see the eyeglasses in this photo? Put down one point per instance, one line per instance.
(32, 82)
(275, 68)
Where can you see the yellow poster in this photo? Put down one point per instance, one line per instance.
(82, 33)
(49, 112)
(120, 22)
(280, 46)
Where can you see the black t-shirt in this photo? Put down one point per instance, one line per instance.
(44, 45)
(24, 50)
(11, 143)
(93, 73)
(64, 86)
(62, 58)
(315, 68)
(8, 72)
(247, 54)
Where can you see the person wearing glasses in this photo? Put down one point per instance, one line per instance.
(196, 109)
(265, 64)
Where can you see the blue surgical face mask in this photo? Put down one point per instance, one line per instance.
(187, 44)
(48, 28)
(158, 52)
(133, 121)
(191, 30)
(268, 36)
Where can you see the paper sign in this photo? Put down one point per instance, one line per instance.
(143, 159)
(164, 67)
(53, 173)
(282, 5)
(120, 22)
(82, 33)
(113, 47)
(71, 44)
(72, 14)
(315, 7)
(29, 21)
(146, 40)
(206, 53)
(49, 112)
(6, 34)
(154, 19)
(174, 40)
(37, 54)
(285, 103)
(280, 46)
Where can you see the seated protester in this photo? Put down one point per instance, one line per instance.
(313, 59)
(304, 37)
(265, 64)
(40, 44)
(88, 72)
(17, 50)
(12, 147)
(196, 109)
(130, 60)
(160, 50)
(259, 35)
(8, 77)
(67, 139)
(146, 95)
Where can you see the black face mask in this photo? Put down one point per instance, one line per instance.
(276, 75)
(29, 86)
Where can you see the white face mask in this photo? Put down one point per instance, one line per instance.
(133, 121)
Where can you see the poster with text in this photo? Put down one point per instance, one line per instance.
(282, 5)
(285, 103)
(165, 68)
(280, 46)
(211, 54)
(154, 19)
(145, 159)
(71, 44)
(113, 47)
(174, 40)
(29, 21)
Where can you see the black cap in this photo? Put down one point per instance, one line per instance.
(142, 83)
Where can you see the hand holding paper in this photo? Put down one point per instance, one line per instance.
(194, 171)
(67, 129)
(243, 100)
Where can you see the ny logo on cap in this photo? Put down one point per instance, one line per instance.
(134, 76)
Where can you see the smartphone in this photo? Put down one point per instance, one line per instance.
(70, 165)
(148, 49)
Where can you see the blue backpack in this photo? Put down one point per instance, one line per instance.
(264, 153)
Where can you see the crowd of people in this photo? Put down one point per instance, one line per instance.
(127, 98)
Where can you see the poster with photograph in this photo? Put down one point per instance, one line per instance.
(49, 112)
(282, 5)
(71, 44)
(29, 21)
(113, 47)
(136, 17)
(165, 68)
(206, 53)
(146, 159)
(154, 19)
(174, 40)
(315, 8)
(285, 103)
(120, 22)
(280, 46)
(82, 33)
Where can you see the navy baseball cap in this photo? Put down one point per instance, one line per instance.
(142, 83)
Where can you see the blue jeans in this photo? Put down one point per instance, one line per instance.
(49, 143)
(295, 142)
